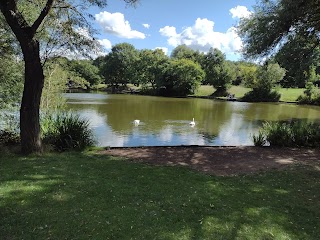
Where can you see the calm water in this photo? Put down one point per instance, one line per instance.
(165, 121)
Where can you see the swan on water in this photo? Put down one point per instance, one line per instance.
(136, 122)
(193, 122)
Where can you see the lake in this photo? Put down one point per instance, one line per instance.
(166, 121)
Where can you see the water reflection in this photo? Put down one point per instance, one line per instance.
(165, 121)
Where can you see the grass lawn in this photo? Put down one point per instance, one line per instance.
(86, 196)
(287, 94)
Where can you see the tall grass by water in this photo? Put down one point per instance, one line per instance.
(285, 134)
(66, 131)
(88, 196)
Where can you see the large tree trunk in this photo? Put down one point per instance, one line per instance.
(30, 104)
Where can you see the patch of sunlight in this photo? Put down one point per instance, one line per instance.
(281, 191)
(61, 197)
(18, 189)
(38, 176)
(265, 214)
(256, 189)
(216, 228)
(263, 231)
(183, 234)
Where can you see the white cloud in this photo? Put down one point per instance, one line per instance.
(201, 36)
(164, 49)
(240, 12)
(105, 43)
(115, 23)
(146, 25)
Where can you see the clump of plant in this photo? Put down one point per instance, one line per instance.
(66, 131)
(293, 134)
(278, 134)
(259, 140)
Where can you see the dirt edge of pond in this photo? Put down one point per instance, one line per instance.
(221, 161)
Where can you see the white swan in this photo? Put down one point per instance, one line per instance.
(136, 122)
(193, 122)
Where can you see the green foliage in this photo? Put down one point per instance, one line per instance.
(184, 52)
(11, 79)
(294, 134)
(259, 140)
(8, 138)
(216, 70)
(273, 21)
(150, 66)
(311, 95)
(66, 131)
(278, 134)
(119, 65)
(54, 85)
(181, 78)
(248, 74)
(300, 56)
(267, 76)
(86, 70)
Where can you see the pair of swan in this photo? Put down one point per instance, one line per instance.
(137, 122)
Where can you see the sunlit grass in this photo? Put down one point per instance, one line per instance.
(287, 94)
(86, 196)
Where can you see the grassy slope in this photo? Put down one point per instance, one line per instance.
(287, 94)
(84, 196)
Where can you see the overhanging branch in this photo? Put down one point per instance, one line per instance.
(42, 15)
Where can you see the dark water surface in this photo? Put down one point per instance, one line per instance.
(165, 121)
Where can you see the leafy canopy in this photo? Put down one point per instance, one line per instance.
(274, 21)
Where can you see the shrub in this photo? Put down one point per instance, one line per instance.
(66, 131)
(9, 138)
(258, 95)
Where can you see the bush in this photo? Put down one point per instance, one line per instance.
(258, 95)
(66, 131)
(9, 138)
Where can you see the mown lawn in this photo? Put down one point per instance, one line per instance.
(86, 196)
(287, 94)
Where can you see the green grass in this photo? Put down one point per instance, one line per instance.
(85, 196)
(287, 94)
(290, 94)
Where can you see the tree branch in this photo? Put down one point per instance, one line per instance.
(42, 15)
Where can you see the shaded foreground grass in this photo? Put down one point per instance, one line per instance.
(87, 196)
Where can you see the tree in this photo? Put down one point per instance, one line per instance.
(267, 76)
(274, 21)
(35, 22)
(181, 77)
(150, 66)
(248, 74)
(85, 69)
(216, 69)
(296, 56)
(119, 65)
(184, 52)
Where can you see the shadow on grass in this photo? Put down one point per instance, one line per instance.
(86, 196)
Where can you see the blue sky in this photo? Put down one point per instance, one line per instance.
(165, 24)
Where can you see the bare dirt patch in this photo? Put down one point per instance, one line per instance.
(221, 161)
